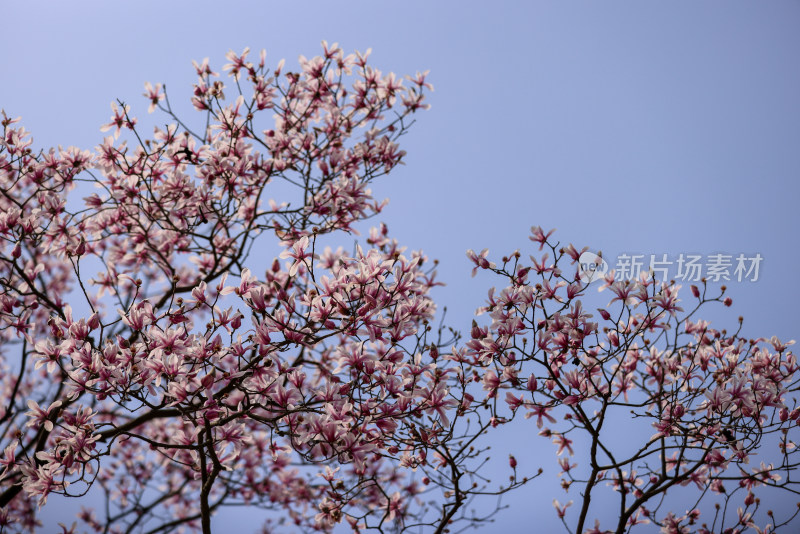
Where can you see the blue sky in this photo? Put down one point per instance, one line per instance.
(631, 127)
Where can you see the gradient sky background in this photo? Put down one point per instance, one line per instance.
(631, 127)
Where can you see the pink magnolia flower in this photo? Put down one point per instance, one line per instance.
(563, 444)
(237, 63)
(298, 254)
(153, 94)
(538, 236)
(561, 510)
(248, 281)
(119, 120)
(480, 260)
(540, 411)
(39, 417)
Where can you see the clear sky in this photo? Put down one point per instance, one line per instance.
(635, 127)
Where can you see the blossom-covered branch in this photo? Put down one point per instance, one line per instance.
(702, 402)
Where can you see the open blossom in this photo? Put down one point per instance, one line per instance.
(539, 236)
(39, 417)
(154, 94)
(41, 480)
(248, 281)
(480, 260)
(119, 120)
(563, 444)
(561, 510)
(298, 253)
(8, 460)
(237, 62)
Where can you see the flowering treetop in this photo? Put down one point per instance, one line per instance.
(153, 350)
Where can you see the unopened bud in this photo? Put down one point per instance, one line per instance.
(532, 384)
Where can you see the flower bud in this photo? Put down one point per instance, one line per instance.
(532, 384)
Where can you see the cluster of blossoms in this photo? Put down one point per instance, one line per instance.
(711, 400)
(146, 357)
(180, 392)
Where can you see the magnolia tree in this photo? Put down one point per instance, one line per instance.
(156, 355)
